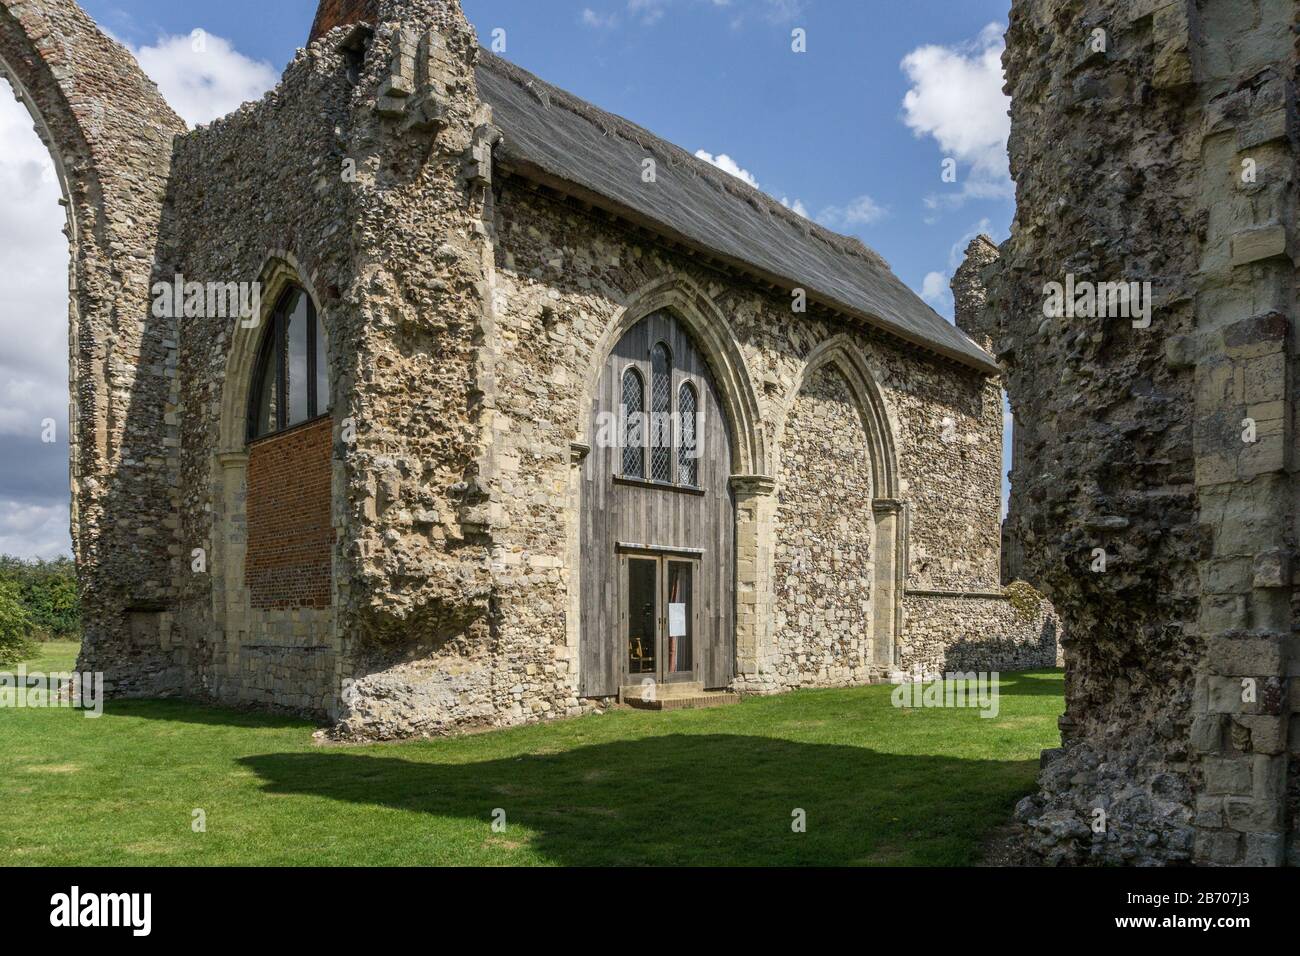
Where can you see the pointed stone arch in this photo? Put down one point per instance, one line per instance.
(280, 270)
(889, 515)
(842, 352)
(750, 482)
(713, 335)
(110, 135)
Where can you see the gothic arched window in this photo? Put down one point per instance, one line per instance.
(290, 379)
(688, 451)
(661, 398)
(633, 416)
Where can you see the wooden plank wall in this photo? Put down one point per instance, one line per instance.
(614, 512)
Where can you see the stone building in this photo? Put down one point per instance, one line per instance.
(1154, 492)
(422, 394)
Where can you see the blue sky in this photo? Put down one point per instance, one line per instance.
(853, 132)
(825, 127)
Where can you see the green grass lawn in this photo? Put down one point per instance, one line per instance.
(53, 656)
(879, 785)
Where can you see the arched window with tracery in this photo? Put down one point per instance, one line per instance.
(661, 398)
(633, 416)
(688, 451)
(290, 378)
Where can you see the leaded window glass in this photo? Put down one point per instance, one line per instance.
(633, 416)
(688, 452)
(661, 441)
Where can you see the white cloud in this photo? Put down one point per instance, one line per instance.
(862, 211)
(783, 11)
(934, 287)
(796, 206)
(34, 330)
(956, 97)
(598, 21)
(778, 12)
(727, 165)
(34, 295)
(648, 12)
(34, 531)
(202, 84)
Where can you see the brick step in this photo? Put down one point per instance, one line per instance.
(685, 701)
(673, 689)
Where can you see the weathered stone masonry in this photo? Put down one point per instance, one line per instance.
(110, 135)
(407, 563)
(1169, 157)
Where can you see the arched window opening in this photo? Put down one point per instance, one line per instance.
(291, 378)
(633, 416)
(661, 440)
(688, 451)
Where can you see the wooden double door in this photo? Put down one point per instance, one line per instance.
(659, 617)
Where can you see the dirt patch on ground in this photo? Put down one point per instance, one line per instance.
(1006, 846)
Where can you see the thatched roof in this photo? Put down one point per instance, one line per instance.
(557, 139)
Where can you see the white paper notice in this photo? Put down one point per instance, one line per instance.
(676, 620)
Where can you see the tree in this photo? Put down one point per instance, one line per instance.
(15, 625)
(48, 591)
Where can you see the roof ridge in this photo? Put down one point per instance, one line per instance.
(614, 125)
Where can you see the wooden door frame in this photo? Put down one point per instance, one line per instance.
(680, 677)
(661, 556)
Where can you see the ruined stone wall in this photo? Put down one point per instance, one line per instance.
(110, 136)
(952, 481)
(822, 627)
(260, 196)
(418, 637)
(1160, 150)
(990, 631)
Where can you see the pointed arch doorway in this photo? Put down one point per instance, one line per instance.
(657, 529)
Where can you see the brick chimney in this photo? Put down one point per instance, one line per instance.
(337, 13)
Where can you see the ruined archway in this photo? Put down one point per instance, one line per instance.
(109, 133)
(838, 402)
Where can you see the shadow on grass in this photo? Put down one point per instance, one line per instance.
(184, 711)
(686, 799)
(1033, 684)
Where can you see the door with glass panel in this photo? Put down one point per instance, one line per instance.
(659, 618)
